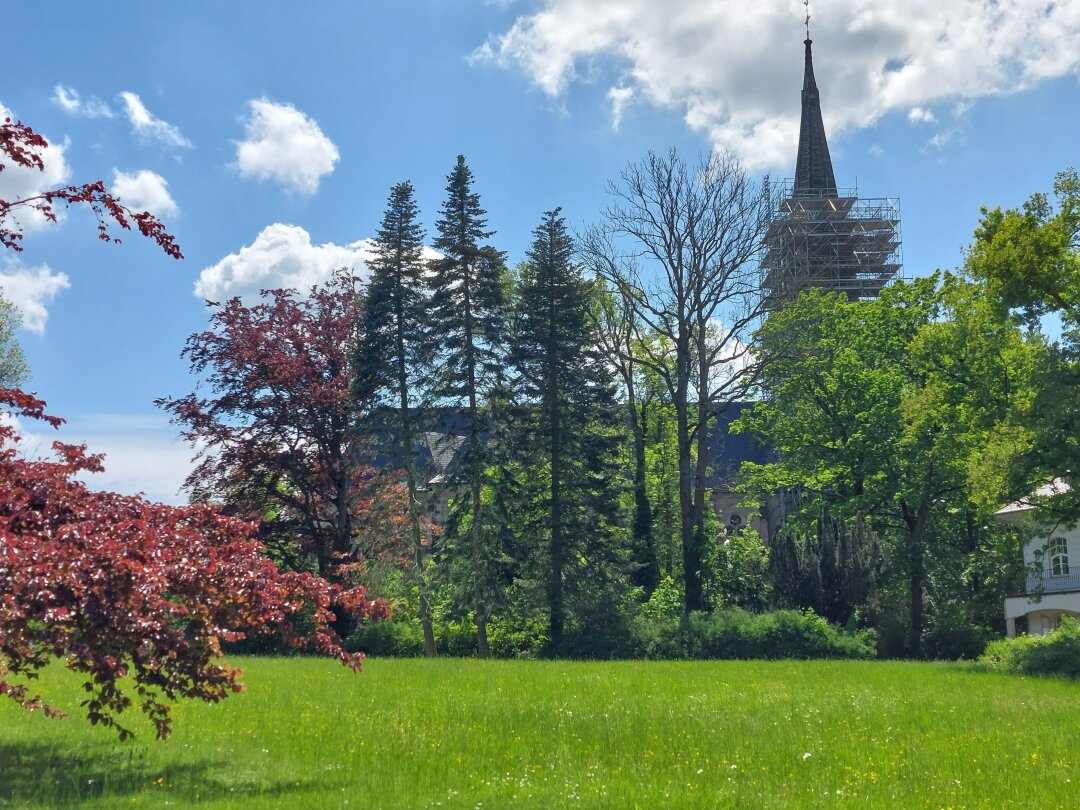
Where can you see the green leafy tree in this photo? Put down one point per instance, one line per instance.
(13, 369)
(390, 357)
(467, 321)
(887, 410)
(571, 421)
(1029, 259)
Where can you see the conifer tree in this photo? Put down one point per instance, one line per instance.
(571, 423)
(467, 321)
(390, 357)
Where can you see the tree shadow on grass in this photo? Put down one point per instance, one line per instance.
(47, 773)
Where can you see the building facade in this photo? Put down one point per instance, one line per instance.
(1052, 559)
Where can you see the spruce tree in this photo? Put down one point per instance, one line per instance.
(572, 427)
(390, 357)
(467, 321)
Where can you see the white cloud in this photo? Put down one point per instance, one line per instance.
(147, 125)
(31, 289)
(69, 100)
(283, 144)
(20, 182)
(281, 256)
(734, 69)
(921, 115)
(942, 139)
(143, 454)
(620, 98)
(144, 191)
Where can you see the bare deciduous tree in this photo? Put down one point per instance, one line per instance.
(680, 245)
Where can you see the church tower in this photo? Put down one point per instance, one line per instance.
(820, 235)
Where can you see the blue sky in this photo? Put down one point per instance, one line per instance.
(267, 134)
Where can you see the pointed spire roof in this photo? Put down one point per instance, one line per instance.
(813, 169)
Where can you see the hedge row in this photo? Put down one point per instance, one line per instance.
(1057, 653)
(723, 634)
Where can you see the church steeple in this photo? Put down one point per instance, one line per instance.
(817, 237)
(813, 169)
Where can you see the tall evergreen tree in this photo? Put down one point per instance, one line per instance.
(572, 419)
(390, 356)
(467, 320)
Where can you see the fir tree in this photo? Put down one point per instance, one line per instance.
(466, 318)
(572, 425)
(390, 356)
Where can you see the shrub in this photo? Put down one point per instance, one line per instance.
(404, 638)
(954, 635)
(728, 633)
(735, 633)
(1057, 653)
(664, 603)
(389, 638)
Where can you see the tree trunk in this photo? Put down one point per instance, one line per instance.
(408, 462)
(481, 635)
(648, 576)
(701, 462)
(342, 545)
(475, 468)
(418, 561)
(693, 588)
(917, 575)
(557, 545)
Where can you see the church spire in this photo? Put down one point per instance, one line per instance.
(813, 169)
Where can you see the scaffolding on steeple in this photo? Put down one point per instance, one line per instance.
(834, 240)
(822, 236)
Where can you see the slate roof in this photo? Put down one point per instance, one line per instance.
(813, 169)
(439, 445)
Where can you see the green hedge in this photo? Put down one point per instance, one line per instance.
(735, 633)
(1056, 653)
(406, 639)
(727, 633)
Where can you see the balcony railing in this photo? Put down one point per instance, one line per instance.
(1048, 582)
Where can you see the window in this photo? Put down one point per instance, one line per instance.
(1058, 550)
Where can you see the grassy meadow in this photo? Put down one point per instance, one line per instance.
(468, 734)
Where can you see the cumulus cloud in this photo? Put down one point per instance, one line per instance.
(70, 101)
(20, 182)
(31, 289)
(281, 256)
(144, 191)
(284, 145)
(921, 115)
(147, 125)
(734, 68)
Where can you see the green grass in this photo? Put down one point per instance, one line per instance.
(459, 733)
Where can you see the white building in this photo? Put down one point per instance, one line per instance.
(1052, 559)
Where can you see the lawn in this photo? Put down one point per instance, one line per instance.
(454, 733)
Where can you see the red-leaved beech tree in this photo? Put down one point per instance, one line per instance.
(22, 146)
(274, 426)
(137, 595)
